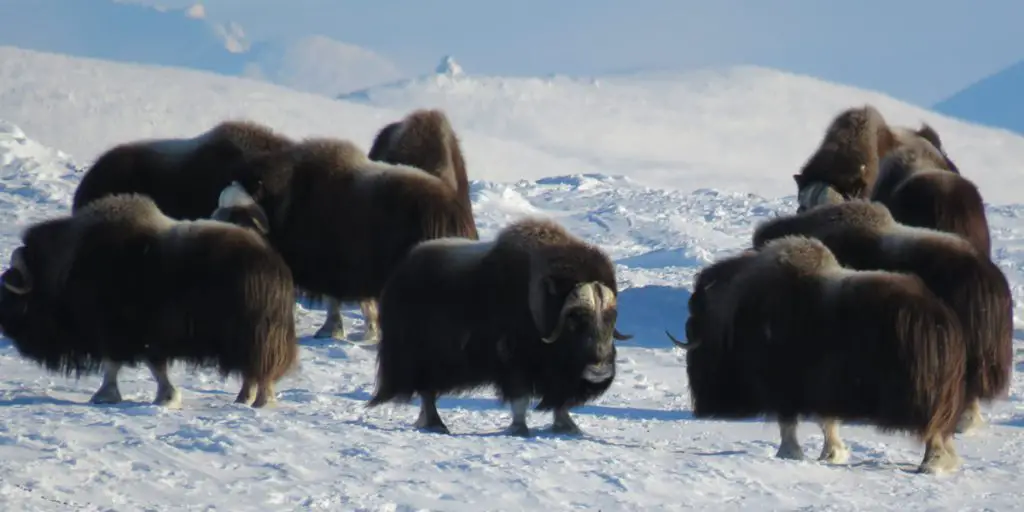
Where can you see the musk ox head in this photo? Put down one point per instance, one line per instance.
(238, 207)
(706, 310)
(14, 296)
(816, 193)
(578, 316)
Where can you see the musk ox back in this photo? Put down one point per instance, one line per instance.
(423, 139)
(183, 176)
(790, 332)
(342, 221)
(118, 282)
(845, 164)
(918, 186)
(531, 313)
(863, 235)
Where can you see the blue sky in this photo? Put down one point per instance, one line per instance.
(917, 50)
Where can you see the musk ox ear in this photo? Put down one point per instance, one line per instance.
(17, 278)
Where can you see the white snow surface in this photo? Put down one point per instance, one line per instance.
(321, 449)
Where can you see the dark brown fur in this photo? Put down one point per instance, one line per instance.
(424, 139)
(787, 331)
(916, 183)
(806, 322)
(343, 222)
(849, 153)
(864, 236)
(120, 281)
(184, 181)
(460, 314)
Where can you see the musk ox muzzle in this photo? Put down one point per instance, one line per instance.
(17, 278)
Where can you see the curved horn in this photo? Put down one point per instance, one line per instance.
(18, 265)
(681, 344)
(583, 295)
(621, 337)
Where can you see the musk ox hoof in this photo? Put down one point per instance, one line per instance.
(834, 454)
(566, 429)
(518, 430)
(168, 397)
(329, 330)
(106, 395)
(437, 428)
(940, 464)
(790, 452)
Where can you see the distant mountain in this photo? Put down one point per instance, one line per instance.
(184, 37)
(997, 100)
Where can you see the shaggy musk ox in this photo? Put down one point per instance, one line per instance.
(916, 183)
(532, 313)
(786, 331)
(342, 221)
(863, 235)
(845, 164)
(424, 139)
(183, 176)
(118, 283)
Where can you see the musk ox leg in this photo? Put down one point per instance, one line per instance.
(430, 420)
(264, 395)
(248, 392)
(971, 419)
(370, 316)
(108, 393)
(564, 424)
(333, 326)
(519, 411)
(167, 394)
(789, 447)
(939, 456)
(833, 450)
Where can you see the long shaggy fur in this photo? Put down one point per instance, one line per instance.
(183, 176)
(847, 158)
(864, 236)
(456, 316)
(920, 189)
(342, 221)
(424, 139)
(787, 331)
(118, 280)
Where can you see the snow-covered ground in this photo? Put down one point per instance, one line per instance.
(321, 449)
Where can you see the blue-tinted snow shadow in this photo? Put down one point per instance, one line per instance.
(490, 404)
(647, 311)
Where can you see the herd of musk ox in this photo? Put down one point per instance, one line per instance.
(876, 301)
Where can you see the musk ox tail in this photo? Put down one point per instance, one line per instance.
(934, 354)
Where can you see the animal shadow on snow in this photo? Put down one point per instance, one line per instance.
(647, 311)
(536, 417)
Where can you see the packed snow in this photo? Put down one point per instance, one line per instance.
(321, 449)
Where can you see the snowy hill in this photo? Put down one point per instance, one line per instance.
(704, 126)
(994, 100)
(184, 37)
(321, 449)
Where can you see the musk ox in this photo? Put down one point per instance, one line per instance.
(424, 139)
(531, 313)
(918, 186)
(341, 221)
(845, 164)
(787, 331)
(183, 176)
(118, 283)
(863, 235)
